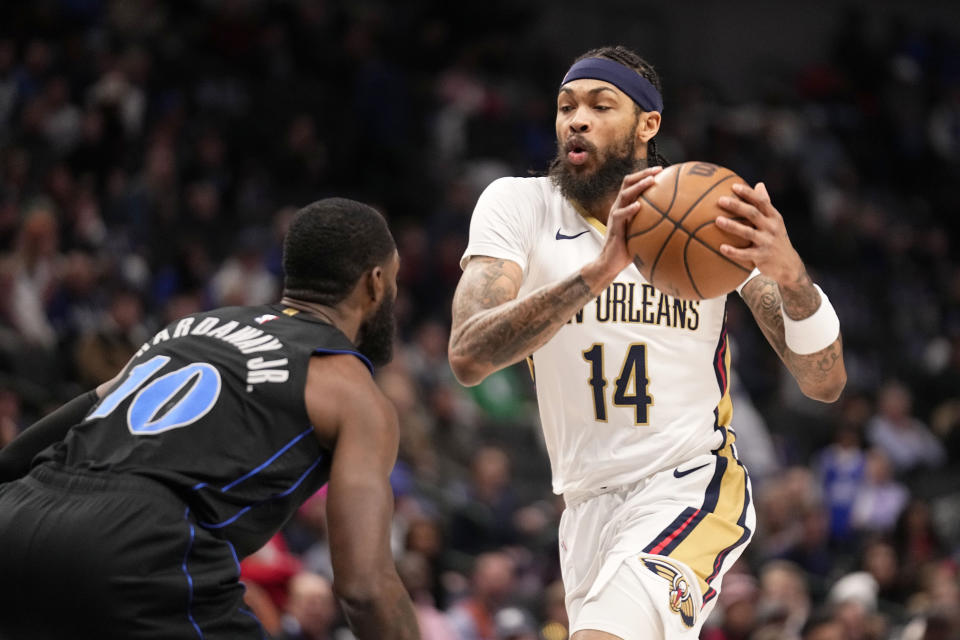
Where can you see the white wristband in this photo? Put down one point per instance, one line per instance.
(812, 334)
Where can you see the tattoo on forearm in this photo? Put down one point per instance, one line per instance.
(488, 287)
(763, 296)
(494, 290)
(800, 298)
(492, 328)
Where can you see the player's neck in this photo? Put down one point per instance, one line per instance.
(349, 326)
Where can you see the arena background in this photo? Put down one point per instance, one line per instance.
(151, 154)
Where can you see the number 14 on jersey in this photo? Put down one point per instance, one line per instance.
(630, 387)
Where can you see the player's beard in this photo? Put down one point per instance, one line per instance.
(377, 333)
(589, 187)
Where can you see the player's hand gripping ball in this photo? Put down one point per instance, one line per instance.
(674, 239)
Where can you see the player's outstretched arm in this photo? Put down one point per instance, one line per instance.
(492, 329)
(16, 457)
(785, 289)
(352, 416)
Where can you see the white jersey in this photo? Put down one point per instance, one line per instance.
(635, 383)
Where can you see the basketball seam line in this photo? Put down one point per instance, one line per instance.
(686, 266)
(693, 237)
(677, 224)
(673, 198)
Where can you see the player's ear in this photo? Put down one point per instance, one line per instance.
(376, 284)
(648, 126)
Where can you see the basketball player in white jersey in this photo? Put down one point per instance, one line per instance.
(632, 384)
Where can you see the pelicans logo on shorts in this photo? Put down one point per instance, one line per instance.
(681, 599)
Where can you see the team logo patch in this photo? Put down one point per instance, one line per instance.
(681, 596)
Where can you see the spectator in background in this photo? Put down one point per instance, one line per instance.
(77, 306)
(784, 604)
(811, 550)
(841, 467)
(902, 437)
(490, 586)
(881, 563)
(737, 606)
(311, 611)
(514, 623)
(484, 521)
(271, 567)
(415, 572)
(308, 534)
(880, 499)
(822, 627)
(105, 349)
(36, 272)
(555, 621)
(424, 537)
(244, 279)
(854, 601)
(915, 538)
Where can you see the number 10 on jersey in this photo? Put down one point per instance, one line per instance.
(630, 387)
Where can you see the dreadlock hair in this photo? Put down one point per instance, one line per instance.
(329, 245)
(628, 58)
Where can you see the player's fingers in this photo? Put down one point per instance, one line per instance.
(739, 208)
(758, 197)
(650, 171)
(621, 216)
(636, 176)
(738, 229)
(632, 192)
(746, 256)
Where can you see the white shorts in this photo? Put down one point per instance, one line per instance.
(645, 561)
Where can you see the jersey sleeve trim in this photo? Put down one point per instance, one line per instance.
(492, 251)
(363, 358)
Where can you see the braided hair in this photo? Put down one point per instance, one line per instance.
(628, 58)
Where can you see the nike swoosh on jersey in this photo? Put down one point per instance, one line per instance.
(679, 474)
(561, 236)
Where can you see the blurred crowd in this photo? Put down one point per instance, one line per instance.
(152, 153)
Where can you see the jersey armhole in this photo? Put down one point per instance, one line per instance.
(366, 361)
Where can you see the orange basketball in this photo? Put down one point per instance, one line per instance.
(674, 238)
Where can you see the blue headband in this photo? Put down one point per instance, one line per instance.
(624, 78)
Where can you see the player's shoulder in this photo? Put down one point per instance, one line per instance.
(510, 187)
(344, 369)
(341, 385)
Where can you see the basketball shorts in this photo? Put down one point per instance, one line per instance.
(645, 561)
(102, 555)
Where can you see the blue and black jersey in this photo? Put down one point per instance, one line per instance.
(212, 408)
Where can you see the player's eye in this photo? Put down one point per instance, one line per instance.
(602, 107)
(565, 108)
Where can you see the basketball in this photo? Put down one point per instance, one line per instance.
(674, 239)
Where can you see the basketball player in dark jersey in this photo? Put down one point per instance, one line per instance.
(125, 513)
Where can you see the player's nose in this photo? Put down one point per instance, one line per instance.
(580, 121)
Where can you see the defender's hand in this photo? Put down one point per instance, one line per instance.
(614, 256)
(770, 248)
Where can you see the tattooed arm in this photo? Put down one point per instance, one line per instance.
(492, 329)
(784, 282)
(821, 375)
